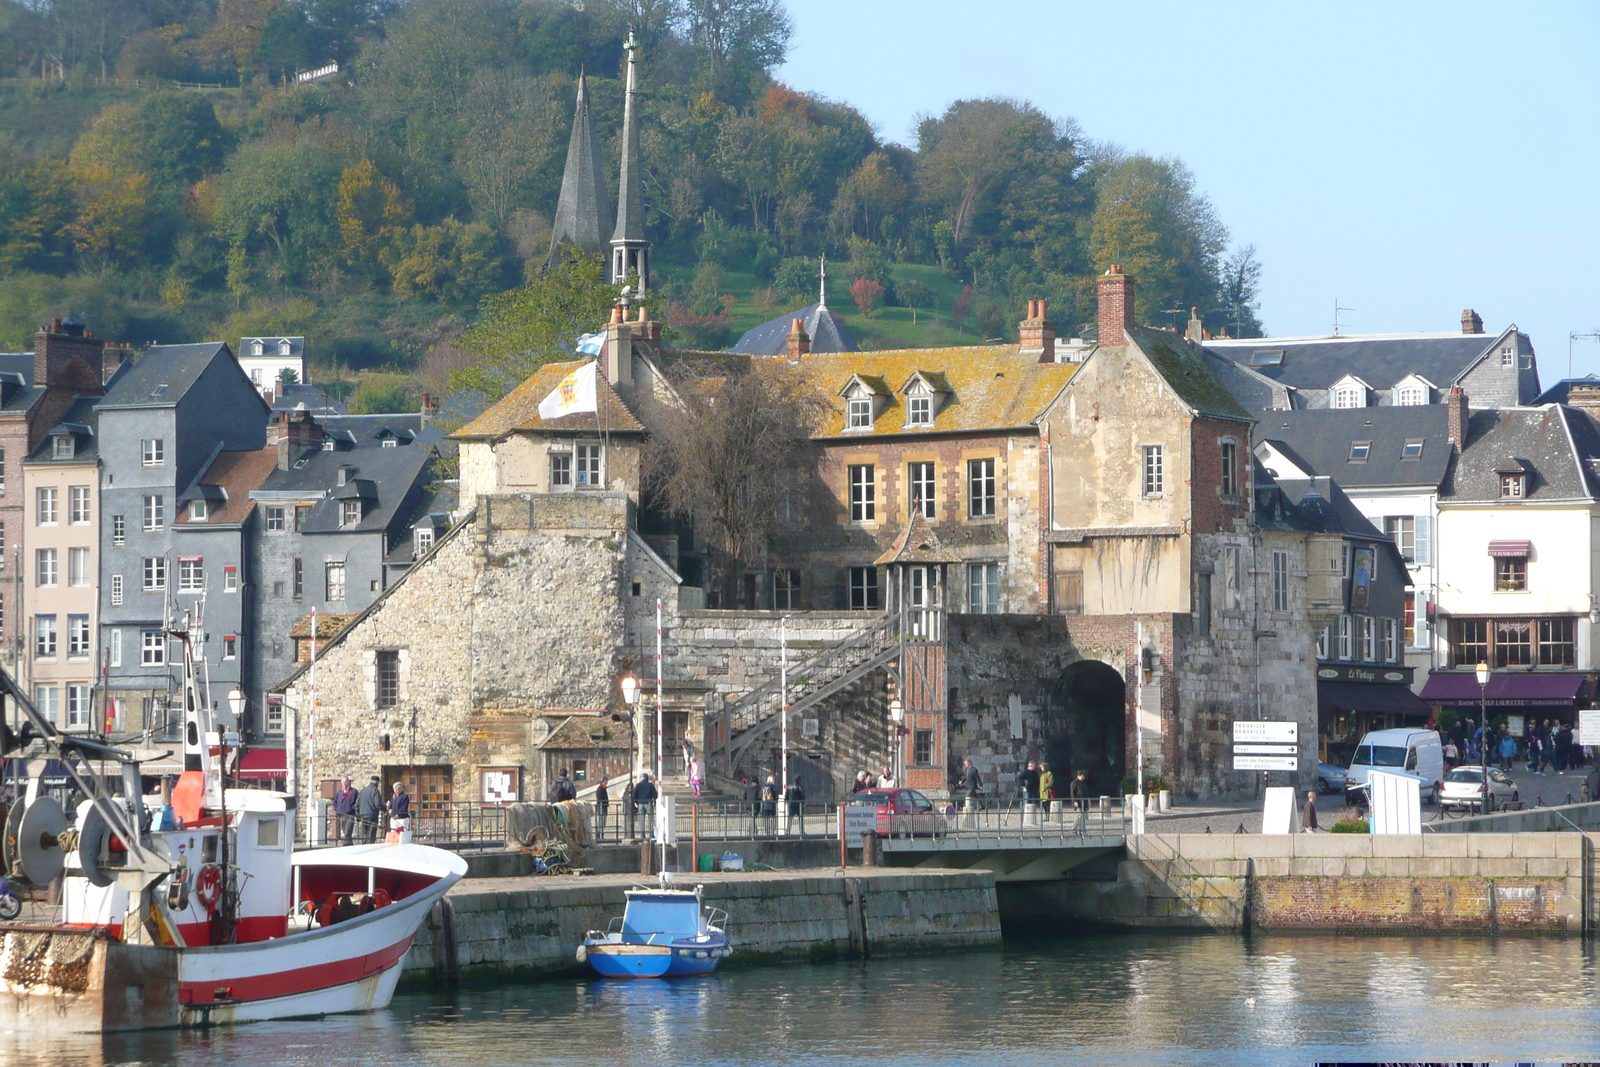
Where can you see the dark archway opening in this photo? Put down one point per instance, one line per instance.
(1087, 728)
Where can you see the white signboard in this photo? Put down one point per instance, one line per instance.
(1269, 732)
(1589, 726)
(1396, 803)
(1266, 763)
(1266, 750)
(1278, 813)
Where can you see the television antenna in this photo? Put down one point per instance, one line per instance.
(1338, 309)
(1592, 335)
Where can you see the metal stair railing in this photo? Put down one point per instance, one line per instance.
(751, 709)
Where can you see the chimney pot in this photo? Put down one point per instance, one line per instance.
(798, 343)
(1037, 333)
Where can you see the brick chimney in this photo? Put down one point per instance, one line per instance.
(1456, 416)
(1585, 396)
(798, 343)
(293, 432)
(1471, 322)
(1038, 333)
(57, 344)
(1116, 306)
(112, 358)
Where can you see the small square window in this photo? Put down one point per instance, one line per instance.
(64, 446)
(276, 514)
(199, 511)
(1511, 574)
(1508, 356)
(155, 452)
(919, 411)
(859, 413)
(349, 512)
(560, 470)
(1412, 449)
(1359, 450)
(1512, 486)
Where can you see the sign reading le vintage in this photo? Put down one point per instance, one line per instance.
(1266, 746)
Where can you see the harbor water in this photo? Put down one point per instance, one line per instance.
(1125, 999)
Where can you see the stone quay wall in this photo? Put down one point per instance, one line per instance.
(1468, 883)
(531, 927)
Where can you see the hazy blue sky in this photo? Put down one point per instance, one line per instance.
(1408, 159)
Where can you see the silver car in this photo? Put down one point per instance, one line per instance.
(1331, 779)
(1463, 788)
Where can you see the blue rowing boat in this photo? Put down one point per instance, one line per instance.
(661, 933)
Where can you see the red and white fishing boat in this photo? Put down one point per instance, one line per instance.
(190, 907)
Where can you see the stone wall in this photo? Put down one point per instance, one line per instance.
(531, 927)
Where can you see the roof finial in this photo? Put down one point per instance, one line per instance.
(822, 284)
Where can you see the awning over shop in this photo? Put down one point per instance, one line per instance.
(263, 763)
(1513, 549)
(1519, 690)
(1334, 697)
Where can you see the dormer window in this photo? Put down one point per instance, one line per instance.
(390, 442)
(1412, 391)
(285, 348)
(424, 541)
(199, 511)
(258, 348)
(1349, 395)
(349, 512)
(65, 446)
(1513, 486)
(919, 411)
(861, 403)
(860, 413)
(327, 444)
(924, 393)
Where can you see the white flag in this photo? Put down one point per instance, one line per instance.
(574, 394)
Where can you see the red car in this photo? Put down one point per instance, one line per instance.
(893, 813)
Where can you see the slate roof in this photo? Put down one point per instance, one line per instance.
(1320, 441)
(370, 430)
(630, 178)
(1553, 443)
(79, 416)
(1181, 363)
(1557, 393)
(917, 543)
(17, 391)
(583, 210)
(828, 333)
(138, 383)
(297, 394)
(519, 409)
(438, 502)
(383, 477)
(1380, 361)
(269, 345)
(992, 387)
(235, 474)
(17, 363)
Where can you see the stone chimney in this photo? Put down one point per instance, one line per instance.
(616, 351)
(1585, 396)
(58, 344)
(113, 357)
(1456, 416)
(1471, 322)
(1038, 334)
(293, 432)
(798, 343)
(648, 330)
(1197, 327)
(430, 408)
(1116, 306)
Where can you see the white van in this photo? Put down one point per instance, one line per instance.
(1410, 751)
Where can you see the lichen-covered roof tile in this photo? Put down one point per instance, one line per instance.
(519, 409)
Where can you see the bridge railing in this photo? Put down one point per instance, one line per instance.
(971, 821)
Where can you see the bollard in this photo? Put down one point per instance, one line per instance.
(647, 857)
(871, 849)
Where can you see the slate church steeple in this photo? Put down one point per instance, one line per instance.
(583, 213)
(630, 252)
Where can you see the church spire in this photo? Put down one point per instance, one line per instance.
(583, 212)
(629, 250)
(822, 283)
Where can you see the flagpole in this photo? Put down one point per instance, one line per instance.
(311, 727)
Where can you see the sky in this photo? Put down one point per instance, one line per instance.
(1406, 160)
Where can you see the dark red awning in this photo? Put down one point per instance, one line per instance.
(1505, 690)
(1513, 549)
(259, 763)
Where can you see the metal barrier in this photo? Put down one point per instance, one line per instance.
(456, 827)
(982, 821)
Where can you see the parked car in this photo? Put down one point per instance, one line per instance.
(1463, 788)
(1330, 779)
(895, 813)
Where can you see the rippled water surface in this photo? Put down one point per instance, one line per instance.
(1114, 999)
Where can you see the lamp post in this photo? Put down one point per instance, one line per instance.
(1483, 733)
(630, 697)
(897, 715)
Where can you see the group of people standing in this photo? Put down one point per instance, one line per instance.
(363, 811)
(1548, 747)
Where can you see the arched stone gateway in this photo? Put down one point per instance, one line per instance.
(1086, 727)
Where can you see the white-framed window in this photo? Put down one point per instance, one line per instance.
(864, 588)
(919, 411)
(63, 446)
(77, 635)
(155, 573)
(275, 518)
(1386, 650)
(46, 568)
(1512, 486)
(983, 588)
(155, 452)
(1412, 448)
(1508, 356)
(116, 648)
(349, 512)
(863, 478)
(1233, 578)
(152, 648)
(47, 701)
(423, 541)
(980, 489)
(230, 646)
(191, 575)
(1153, 482)
(1344, 637)
(560, 470)
(1322, 642)
(588, 459)
(1280, 580)
(334, 580)
(116, 590)
(155, 512)
(78, 570)
(199, 511)
(1229, 462)
(119, 530)
(919, 477)
(230, 579)
(274, 716)
(1411, 396)
(78, 504)
(858, 413)
(785, 589)
(1359, 451)
(44, 636)
(45, 500)
(78, 701)
(1368, 649)
(1349, 396)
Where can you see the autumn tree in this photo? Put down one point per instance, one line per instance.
(974, 148)
(369, 210)
(1240, 287)
(729, 458)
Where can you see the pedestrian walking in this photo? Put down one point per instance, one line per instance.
(344, 810)
(769, 805)
(1308, 817)
(1535, 747)
(1028, 786)
(1047, 787)
(644, 799)
(1564, 761)
(752, 797)
(971, 783)
(795, 797)
(1452, 754)
(602, 804)
(630, 808)
(696, 776)
(400, 812)
(562, 788)
(859, 784)
(369, 810)
(1508, 752)
(1079, 791)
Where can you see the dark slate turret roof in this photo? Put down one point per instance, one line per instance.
(828, 334)
(583, 212)
(630, 195)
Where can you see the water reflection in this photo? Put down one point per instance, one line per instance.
(1113, 999)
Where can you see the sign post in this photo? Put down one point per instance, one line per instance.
(1266, 746)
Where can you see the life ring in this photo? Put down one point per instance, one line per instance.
(208, 887)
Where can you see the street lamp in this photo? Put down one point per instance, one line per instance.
(897, 715)
(630, 697)
(1483, 733)
(236, 704)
